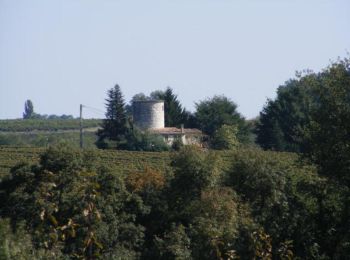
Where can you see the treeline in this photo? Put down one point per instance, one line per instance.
(30, 114)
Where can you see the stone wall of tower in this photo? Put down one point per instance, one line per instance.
(148, 114)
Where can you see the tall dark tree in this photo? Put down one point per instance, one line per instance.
(282, 120)
(217, 111)
(326, 137)
(292, 122)
(174, 112)
(115, 126)
(28, 109)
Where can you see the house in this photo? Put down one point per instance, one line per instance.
(148, 115)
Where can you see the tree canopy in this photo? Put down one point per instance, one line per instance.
(326, 136)
(28, 109)
(114, 127)
(292, 122)
(283, 120)
(213, 113)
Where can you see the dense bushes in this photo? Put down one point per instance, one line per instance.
(244, 203)
(74, 206)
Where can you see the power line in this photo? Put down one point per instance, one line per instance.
(98, 111)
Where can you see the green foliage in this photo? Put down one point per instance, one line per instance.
(214, 217)
(283, 120)
(225, 138)
(73, 206)
(144, 141)
(215, 112)
(215, 223)
(308, 110)
(291, 202)
(174, 113)
(326, 143)
(17, 244)
(326, 140)
(115, 126)
(192, 204)
(28, 109)
(311, 115)
(175, 244)
(177, 144)
(194, 171)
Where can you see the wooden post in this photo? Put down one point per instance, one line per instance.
(81, 126)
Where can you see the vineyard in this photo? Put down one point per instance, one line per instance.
(45, 139)
(124, 160)
(27, 125)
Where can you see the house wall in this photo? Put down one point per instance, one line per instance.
(186, 139)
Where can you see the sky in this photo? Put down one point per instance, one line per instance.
(62, 53)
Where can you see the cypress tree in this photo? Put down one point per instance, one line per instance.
(174, 113)
(28, 109)
(114, 127)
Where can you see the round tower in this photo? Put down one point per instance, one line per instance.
(148, 114)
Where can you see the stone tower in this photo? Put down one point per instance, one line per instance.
(148, 114)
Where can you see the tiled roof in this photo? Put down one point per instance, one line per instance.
(176, 131)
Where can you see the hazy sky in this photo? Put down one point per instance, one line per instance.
(66, 52)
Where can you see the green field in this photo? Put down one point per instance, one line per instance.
(27, 125)
(45, 139)
(126, 161)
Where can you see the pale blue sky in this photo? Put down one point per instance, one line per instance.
(66, 52)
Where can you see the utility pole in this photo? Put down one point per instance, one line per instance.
(81, 126)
